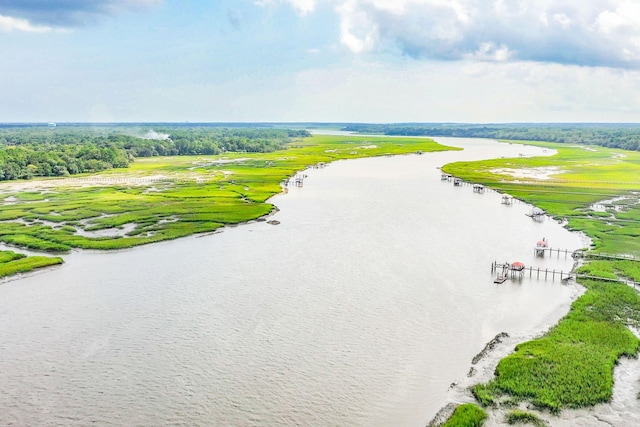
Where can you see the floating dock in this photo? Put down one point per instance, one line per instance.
(500, 279)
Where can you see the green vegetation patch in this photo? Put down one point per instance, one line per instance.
(523, 417)
(32, 242)
(466, 415)
(13, 263)
(6, 256)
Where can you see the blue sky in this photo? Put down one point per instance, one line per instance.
(472, 61)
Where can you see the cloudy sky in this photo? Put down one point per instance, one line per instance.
(474, 61)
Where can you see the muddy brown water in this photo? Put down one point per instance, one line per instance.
(361, 307)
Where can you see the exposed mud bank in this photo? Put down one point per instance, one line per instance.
(483, 365)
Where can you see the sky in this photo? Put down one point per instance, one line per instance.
(371, 61)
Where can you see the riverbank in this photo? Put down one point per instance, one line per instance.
(572, 365)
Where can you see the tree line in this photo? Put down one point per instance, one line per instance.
(624, 136)
(32, 151)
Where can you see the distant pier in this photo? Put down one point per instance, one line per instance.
(536, 214)
(506, 199)
(297, 180)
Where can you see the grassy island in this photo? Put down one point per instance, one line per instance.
(595, 190)
(12, 263)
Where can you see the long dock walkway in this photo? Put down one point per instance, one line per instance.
(582, 253)
(606, 255)
(543, 250)
(547, 274)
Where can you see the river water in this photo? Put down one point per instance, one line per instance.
(361, 308)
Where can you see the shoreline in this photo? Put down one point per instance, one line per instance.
(597, 415)
(623, 408)
(484, 369)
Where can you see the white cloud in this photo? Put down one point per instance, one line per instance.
(359, 91)
(625, 17)
(593, 33)
(8, 23)
(465, 91)
(563, 20)
(490, 52)
(357, 31)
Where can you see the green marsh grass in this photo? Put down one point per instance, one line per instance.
(12, 263)
(518, 416)
(466, 415)
(6, 256)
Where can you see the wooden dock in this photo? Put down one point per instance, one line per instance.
(583, 253)
(507, 269)
(547, 274)
(606, 255)
(541, 251)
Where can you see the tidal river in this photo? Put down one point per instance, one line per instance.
(360, 309)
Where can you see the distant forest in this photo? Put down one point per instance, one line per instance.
(28, 151)
(32, 151)
(624, 136)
